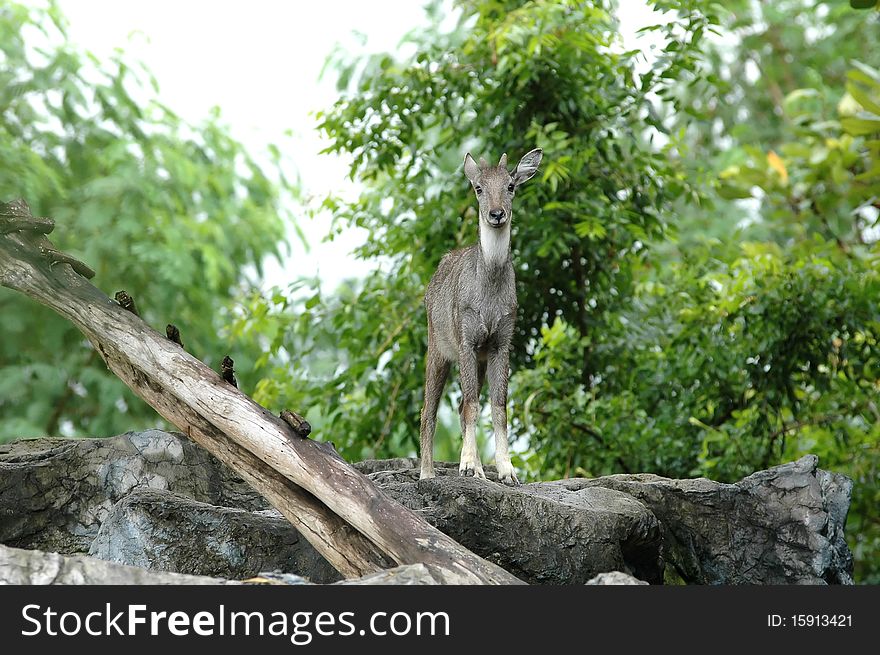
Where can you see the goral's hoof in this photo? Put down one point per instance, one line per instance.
(470, 470)
(506, 474)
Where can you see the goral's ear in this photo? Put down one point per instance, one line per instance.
(528, 166)
(471, 169)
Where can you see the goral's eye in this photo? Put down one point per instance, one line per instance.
(510, 187)
(478, 189)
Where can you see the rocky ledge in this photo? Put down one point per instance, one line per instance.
(153, 507)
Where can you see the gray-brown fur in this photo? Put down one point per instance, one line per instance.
(471, 305)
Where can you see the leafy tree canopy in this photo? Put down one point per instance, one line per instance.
(179, 216)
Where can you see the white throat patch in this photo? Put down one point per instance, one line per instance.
(495, 243)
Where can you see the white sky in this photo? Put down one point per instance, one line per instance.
(259, 62)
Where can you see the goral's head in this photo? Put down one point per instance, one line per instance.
(495, 186)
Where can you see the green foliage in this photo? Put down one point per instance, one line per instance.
(826, 174)
(509, 77)
(716, 368)
(778, 64)
(774, 48)
(172, 213)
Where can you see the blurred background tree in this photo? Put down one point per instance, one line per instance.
(177, 215)
(697, 261)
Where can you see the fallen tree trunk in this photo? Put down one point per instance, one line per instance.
(314, 488)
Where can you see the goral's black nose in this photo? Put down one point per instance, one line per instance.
(496, 214)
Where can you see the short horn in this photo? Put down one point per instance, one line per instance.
(483, 163)
(502, 163)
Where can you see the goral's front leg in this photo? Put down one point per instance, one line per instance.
(498, 376)
(469, 411)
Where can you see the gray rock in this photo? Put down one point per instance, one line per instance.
(408, 575)
(550, 536)
(163, 531)
(779, 526)
(34, 567)
(615, 578)
(837, 494)
(406, 469)
(541, 535)
(55, 493)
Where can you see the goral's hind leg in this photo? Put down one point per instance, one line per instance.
(498, 376)
(436, 372)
